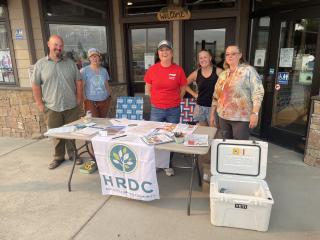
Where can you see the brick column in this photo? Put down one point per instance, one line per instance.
(312, 152)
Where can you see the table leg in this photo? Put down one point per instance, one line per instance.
(75, 153)
(194, 163)
(199, 174)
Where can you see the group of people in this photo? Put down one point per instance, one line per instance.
(59, 89)
(228, 98)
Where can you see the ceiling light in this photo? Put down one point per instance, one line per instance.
(129, 3)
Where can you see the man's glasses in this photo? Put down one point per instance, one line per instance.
(231, 54)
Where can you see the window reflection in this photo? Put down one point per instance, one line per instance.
(141, 7)
(210, 39)
(78, 39)
(79, 8)
(144, 46)
(6, 69)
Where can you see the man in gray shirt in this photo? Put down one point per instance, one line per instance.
(57, 90)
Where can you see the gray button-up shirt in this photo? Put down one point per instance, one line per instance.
(58, 82)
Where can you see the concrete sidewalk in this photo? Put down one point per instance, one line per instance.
(35, 203)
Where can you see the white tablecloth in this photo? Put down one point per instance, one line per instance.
(127, 167)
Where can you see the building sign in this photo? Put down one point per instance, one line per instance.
(19, 34)
(283, 78)
(172, 13)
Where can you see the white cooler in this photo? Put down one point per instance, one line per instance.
(239, 197)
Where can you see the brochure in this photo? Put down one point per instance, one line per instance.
(185, 128)
(157, 138)
(196, 140)
(86, 131)
(115, 129)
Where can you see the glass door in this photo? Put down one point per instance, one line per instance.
(213, 35)
(294, 78)
(259, 57)
(143, 42)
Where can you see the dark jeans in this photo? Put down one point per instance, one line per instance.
(170, 115)
(234, 129)
(58, 119)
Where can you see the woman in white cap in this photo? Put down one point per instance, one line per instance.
(96, 86)
(165, 84)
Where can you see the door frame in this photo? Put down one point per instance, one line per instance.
(281, 136)
(129, 70)
(189, 26)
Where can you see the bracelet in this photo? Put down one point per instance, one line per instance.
(255, 113)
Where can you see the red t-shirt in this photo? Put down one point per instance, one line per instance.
(165, 84)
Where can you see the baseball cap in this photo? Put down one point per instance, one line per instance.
(164, 43)
(93, 51)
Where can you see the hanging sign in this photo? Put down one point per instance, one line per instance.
(172, 13)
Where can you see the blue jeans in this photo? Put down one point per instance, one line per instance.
(170, 115)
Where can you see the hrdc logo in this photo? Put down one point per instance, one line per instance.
(123, 158)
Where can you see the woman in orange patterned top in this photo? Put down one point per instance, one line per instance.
(237, 97)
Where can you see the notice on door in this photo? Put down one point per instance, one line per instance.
(148, 60)
(259, 58)
(286, 57)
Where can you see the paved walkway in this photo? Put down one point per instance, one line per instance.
(35, 203)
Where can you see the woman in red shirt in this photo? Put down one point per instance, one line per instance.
(165, 84)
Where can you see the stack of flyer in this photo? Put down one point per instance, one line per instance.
(196, 140)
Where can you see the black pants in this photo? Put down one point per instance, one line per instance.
(234, 129)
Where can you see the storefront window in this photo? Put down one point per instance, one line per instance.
(82, 25)
(141, 7)
(6, 74)
(209, 4)
(79, 8)
(78, 39)
(270, 4)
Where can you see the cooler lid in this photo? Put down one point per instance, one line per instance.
(239, 158)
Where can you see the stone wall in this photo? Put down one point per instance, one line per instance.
(312, 153)
(19, 115)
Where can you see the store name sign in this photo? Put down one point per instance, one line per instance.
(172, 13)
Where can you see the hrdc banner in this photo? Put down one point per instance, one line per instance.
(127, 168)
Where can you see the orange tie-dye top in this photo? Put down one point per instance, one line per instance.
(236, 93)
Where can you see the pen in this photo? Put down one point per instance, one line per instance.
(119, 136)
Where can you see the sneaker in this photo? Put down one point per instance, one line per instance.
(169, 171)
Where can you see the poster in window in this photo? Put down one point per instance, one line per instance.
(305, 78)
(259, 58)
(148, 60)
(5, 59)
(286, 57)
(307, 63)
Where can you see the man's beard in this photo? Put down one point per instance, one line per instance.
(57, 53)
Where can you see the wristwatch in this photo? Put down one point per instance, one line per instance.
(255, 113)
